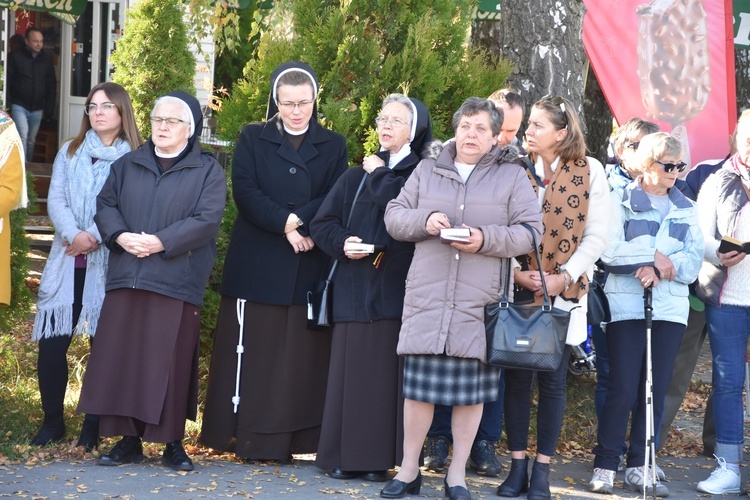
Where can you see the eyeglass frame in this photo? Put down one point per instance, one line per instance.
(157, 121)
(633, 145)
(294, 105)
(558, 101)
(393, 121)
(106, 107)
(668, 167)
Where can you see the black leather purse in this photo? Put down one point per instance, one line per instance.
(598, 305)
(526, 337)
(320, 298)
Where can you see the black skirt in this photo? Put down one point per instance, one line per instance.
(450, 381)
(363, 417)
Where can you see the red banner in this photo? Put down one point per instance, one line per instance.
(668, 61)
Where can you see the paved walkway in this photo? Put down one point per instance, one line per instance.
(216, 478)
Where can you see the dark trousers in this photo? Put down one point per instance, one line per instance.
(682, 375)
(52, 363)
(552, 386)
(490, 427)
(626, 341)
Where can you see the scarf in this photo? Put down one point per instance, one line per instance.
(564, 210)
(83, 179)
(9, 140)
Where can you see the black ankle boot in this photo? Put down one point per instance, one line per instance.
(539, 485)
(89, 437)
(517, 481)
(52, 430)
(128, 450)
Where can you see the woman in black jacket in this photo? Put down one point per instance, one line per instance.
(362, 414)
(158, 213)
(283, 169)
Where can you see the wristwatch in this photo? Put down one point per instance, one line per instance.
(300, 223)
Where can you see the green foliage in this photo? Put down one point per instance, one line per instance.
(229, 63)
(21, 297)
(363, 50)
(152, 57)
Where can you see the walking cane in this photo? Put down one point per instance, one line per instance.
(650, 445)
(240, 350)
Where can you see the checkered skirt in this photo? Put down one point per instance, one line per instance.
(447, 380)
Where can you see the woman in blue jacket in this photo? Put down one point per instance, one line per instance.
(655, 242)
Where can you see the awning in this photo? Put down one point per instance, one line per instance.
(65, 10)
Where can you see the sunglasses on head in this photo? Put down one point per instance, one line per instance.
(668, 167)
(558, 101)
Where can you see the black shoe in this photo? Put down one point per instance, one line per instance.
(89, 437)
(49, 432)
(436, 453)
(539, 484)
(375, 476)
(455, 492)
(175, 457)
(399, 489)
(483, 460)
(128, 450)
(342, 474)
(517, 481)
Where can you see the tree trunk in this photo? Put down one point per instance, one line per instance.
(598, 119)
(742, 72)
(542, 38)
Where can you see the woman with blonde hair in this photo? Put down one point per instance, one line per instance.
(573, 197)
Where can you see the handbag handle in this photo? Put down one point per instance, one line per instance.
(348, 221)
(546, 304)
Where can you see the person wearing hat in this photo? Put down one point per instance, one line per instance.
(361, 429)
(158, 214)
(270, 404)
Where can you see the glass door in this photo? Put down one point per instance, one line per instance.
(86, 62)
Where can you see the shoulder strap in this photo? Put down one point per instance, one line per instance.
(349, 221)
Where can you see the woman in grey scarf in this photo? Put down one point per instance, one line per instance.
(72, 286)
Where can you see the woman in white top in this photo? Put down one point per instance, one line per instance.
(575, 211)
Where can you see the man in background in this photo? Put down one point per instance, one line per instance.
(31, 88)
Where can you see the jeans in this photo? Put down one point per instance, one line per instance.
(27, 123)
(490, 427)
(599, 337)
(728, 328)
(626, 341)
(552, 387)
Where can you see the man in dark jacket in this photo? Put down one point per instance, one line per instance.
(32, 88)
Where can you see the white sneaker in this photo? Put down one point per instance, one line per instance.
(660, 473)
(722, 480)
(634, 481)
(602, 481)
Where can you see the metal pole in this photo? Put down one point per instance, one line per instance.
(650, 445)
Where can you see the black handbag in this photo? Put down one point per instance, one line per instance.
(320, 298)
(320, 302)
(598, 305)
(526, 337)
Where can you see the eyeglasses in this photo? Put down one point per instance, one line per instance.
(157, 121)
(558, 101)
(668, 167)
(633, 145)
(105, 107)
(395, 122)
(291, 105)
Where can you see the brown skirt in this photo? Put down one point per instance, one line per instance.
(282, 382)
(363, 418)
(142, 375)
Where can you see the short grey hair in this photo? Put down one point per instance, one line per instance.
(475, 105)
(400, 99)
(187, 115)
